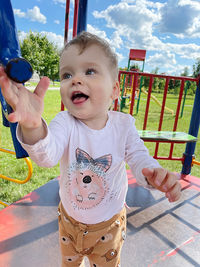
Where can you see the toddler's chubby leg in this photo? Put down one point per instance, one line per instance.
(107, 251)
(70, 257)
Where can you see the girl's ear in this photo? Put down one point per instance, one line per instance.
(116, 90)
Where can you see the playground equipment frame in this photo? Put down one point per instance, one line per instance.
(188, 157)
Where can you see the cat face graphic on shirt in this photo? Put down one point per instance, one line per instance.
(86, 180)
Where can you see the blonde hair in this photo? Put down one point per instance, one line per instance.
(86, 39)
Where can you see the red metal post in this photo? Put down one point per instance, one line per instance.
(179, 104)
(177, 114)
(148, 102)
(75, 22)
(66, 34)
(135, 75)
(66, 21)
(162, 113)
(76, 5)
(116, 100)
(163, 104)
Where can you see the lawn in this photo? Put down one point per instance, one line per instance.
(16, 168)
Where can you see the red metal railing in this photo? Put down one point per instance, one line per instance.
(136, 77)
(75, 22)
(75, 18)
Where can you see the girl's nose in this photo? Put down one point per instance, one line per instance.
(77, 80)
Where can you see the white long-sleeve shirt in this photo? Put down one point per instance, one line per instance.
(93, 180)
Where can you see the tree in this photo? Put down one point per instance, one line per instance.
(190, 87)
(161, 85)
(155, 80)
(196, 68)
(135, 67)
(42, 54)
(185, 72)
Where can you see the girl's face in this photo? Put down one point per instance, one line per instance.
(87, 85)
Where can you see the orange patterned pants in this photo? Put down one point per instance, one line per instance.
(101, 242)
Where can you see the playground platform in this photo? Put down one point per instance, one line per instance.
(159, 233)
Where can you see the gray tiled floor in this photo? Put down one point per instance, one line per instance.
(159, 233)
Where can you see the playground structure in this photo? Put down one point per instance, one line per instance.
(31, 222)
(19, 70)
(131, 87)
(127, 82)
(168, 136)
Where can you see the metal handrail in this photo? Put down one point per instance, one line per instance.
(30, 171)
(195, 162)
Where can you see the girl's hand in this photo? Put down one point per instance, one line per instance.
(27, 106)
(164, 181)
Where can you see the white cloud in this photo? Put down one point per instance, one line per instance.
(137, 23)
(123, 15)
(96, 31)
(22, 35)
(32, 14)
(134, 21)
(103, 35)
(167, 63)
(58, 40)
(19, 13)
(120, 57)
(193, 3)
(60, 1)
(56, 21)
(165, 38)
(161, 60)
(114, 41)
(156, 5)
(187, 51)
(35, 15)
(181, 17)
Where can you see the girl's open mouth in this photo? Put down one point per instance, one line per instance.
(79, 97)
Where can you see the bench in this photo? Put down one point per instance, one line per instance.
(166, 136)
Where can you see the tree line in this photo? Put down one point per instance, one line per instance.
(174, 84)
(42, 54)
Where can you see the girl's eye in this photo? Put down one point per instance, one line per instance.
(67, 76)
(90, 72)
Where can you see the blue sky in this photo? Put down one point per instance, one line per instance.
(168, 30)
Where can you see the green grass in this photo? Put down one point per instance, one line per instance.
(34, 84)
(16, 168)
(168, 123)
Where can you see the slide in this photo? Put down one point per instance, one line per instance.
(158, 102)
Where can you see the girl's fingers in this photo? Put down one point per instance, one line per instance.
(174, 193)
(42, 87)
(169, 182)
(155, 177)
(4, 81)
(13, 117)
(9, 90)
